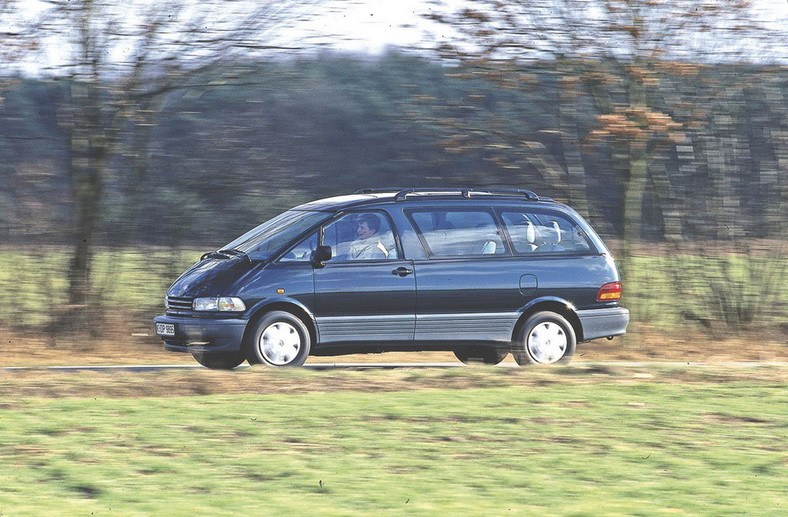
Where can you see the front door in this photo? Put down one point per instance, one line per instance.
(365, 293)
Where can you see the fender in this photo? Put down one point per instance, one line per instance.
(549, 299)
(264, 304)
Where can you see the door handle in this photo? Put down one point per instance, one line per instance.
(402, 271)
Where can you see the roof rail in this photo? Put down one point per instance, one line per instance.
(464, 192)
(374, 190)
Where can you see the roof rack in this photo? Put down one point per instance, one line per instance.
(375, 190)
(465, 192)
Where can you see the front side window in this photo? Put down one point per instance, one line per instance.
(361, 236)
(301, 252)
(448, 233)
(544, 232)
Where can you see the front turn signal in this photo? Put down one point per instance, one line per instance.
(609, 292)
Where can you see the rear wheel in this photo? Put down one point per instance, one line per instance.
(278, 339)
(480, 354)
(219, 360)
(546, 338)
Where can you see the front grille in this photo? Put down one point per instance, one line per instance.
(177, 304)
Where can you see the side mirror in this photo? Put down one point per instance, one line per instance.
(321, 255)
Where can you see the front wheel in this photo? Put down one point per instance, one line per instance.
(278, 339)
(219, 360)
(546, 338)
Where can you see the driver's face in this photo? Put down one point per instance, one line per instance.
(364, 231)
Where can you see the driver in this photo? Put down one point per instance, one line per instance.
(367, 244)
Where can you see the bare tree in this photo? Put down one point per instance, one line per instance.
(500, 36)
(117, 60)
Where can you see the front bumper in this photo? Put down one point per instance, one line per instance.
(598, 323)
(203, 334)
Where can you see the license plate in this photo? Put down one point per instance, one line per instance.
(165, 329)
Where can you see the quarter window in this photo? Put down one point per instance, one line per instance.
(543, 232)
(459, 233)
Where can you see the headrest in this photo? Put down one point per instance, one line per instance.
(530, 232)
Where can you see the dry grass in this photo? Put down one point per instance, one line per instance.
(43, 383)
(648, 344)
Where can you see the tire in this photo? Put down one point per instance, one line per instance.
(219, 360)
(481, 354)
(546, 338)
(278, 339)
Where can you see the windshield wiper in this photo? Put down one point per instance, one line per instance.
(235, 252)
(225, 254)
(214, 254)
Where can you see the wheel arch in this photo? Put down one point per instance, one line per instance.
(285, 305)
(556, 305)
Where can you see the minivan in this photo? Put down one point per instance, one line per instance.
(479, 272)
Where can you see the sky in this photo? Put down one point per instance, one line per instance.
(373, 26)
(355, 26)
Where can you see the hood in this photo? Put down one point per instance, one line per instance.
(212, 277)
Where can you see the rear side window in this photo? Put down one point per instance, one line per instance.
(544, 232)
(448, 233)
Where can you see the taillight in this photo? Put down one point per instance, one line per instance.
(609, 292)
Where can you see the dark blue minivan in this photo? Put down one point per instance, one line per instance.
(481, 273)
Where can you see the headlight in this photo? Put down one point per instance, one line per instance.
(223, 304)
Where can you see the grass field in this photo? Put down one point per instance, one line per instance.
(651, 440)
(127, 281)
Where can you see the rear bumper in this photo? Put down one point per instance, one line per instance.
(598, 323)
(203, 335)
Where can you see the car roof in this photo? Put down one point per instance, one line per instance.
(342, 202)
(373, 196)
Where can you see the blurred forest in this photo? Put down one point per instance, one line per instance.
(235, 145)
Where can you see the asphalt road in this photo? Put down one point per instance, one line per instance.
(163, 367)
(371, 366)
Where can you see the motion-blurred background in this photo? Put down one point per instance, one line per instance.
(134, 137)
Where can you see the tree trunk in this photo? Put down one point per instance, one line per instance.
(86, 169)
(635, 184)
(568, 86)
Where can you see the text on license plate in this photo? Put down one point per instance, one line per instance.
(165, 329)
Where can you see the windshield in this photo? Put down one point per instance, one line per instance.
(269, 237)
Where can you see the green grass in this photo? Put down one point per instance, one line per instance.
(663, 289)
(126, 280)
(597, 447)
